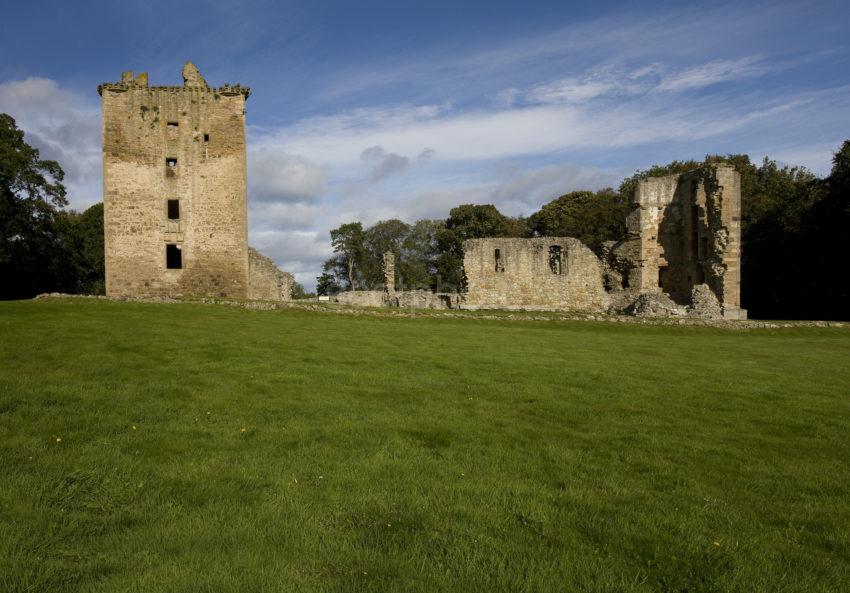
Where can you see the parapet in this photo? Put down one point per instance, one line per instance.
(192, 81)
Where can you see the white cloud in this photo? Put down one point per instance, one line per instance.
(714, 72)
(64, 127)
(479, 135)
(275, 175)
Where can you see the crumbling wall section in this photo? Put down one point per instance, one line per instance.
(685, 231)
(265, 281)
(540, 273)
(425, 299)
(363, 298)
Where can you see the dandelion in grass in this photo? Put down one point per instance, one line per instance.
(58, 439)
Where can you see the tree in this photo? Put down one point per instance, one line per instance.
(383, 236)
(81, 238)
(823, 253)
(327, 284)
(415, 267)
(347, 241)
(298, 291)
(31, 194)
(591, 217)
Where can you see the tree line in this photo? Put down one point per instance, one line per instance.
(794, 226)
(43, 246)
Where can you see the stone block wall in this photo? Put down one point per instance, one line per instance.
(558, 273)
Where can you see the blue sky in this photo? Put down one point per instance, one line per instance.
(375, 110)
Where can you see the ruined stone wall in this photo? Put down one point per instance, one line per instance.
(687, 232)
(425, 299)
(364, 298)
(203, 130)
(265, 281)
(540, 273)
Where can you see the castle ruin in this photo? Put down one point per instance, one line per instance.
(682, 256)
(175, 192)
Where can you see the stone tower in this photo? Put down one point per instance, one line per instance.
(175, 188)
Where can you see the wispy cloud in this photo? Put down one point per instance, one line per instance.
(715, 72)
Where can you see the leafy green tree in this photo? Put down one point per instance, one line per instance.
(81, 237)
(383, 236)
(591, 217)
(31, 194)
(416, 267)
(327, 283)
(348, 242)
(823, 253)
(298, 291)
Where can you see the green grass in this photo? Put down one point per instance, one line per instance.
(209, 448)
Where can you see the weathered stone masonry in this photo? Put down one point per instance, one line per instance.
(265, 281)
(175, 191)
(684, 232)
(681, 257)
(540, 273)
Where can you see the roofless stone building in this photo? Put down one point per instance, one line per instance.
(175, 192)
(682, 256)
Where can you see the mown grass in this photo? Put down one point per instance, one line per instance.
(208, 448)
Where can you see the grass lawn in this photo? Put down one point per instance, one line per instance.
(152, 448)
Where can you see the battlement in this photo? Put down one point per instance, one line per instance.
(227, 90)
(192, 82)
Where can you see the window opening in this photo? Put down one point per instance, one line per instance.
(555, 259)
(173, 257)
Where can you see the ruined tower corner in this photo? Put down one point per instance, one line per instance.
(192, 76)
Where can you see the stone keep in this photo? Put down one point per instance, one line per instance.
(175, 191)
